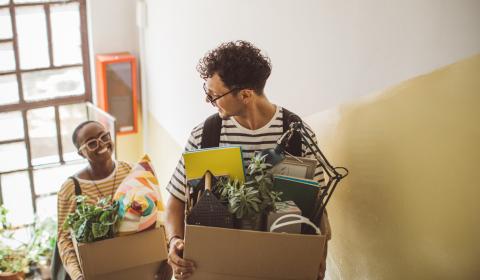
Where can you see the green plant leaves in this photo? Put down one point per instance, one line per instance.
(99, 230)
(11, 260)
(93, 222)
(255, 196)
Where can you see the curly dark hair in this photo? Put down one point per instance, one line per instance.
(239, 64)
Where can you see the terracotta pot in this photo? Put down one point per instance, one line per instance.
(12, 276)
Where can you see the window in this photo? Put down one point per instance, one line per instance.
(44, 84)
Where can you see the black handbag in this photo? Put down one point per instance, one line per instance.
(58, 270)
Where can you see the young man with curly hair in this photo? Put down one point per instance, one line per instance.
(235, 75)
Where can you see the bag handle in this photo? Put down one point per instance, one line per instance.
(298, 219)
(78, 189)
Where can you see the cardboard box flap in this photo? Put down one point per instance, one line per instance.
(122, 252)
(246, 254)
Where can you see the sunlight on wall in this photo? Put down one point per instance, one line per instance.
(409, 208)
(164, 152)
(130, 146)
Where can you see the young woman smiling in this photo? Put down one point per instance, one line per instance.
(100, 178)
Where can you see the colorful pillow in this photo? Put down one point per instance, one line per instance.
(139, 198)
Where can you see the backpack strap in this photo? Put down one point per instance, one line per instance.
(211, 132)
(57, 269)
(213, 126)
(294, 146)
(78, 190)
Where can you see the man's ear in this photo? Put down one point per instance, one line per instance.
(247, 95)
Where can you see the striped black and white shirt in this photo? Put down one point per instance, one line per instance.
(232, 133)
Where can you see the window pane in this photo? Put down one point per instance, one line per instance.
(8, 89)
(4, 2)
(47, 207)
(32, 37)
(53, 83)
(17, 198)
(16, 154)
(43, 135)
(49, 180)
(71, 116)
(5, 24)
(66, 34)
(7, 57)
(23, 234)
(19, 235)
(11, 126)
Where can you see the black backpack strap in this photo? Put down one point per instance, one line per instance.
(57, 268)
(211, 132)
(213, 126)
(78, 190)
(294, 146)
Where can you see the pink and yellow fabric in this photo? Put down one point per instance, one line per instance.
(139, 198)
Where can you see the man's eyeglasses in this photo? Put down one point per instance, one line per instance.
(93, 144)
(213, 99)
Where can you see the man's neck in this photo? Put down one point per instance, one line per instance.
(257, 115)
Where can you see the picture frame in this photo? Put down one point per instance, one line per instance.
(300, 167)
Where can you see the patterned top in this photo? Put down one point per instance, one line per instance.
(232, 133)
(66, 204)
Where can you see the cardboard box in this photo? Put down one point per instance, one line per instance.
(230, 254)
(136, 256)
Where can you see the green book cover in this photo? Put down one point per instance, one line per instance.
(303, 192)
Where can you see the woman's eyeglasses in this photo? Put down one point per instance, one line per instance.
(93, 144)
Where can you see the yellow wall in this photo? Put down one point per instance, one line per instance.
(164, 152)
(409, 208)
(130, 146)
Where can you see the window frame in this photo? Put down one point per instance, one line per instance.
(24, 106)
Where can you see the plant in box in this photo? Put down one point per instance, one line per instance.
(252, 201)
(103, 220)
(93, 222)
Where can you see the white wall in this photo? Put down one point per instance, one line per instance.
(111, 28)
(324, 53)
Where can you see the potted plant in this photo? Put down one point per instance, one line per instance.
(251, 201)
(243, 202)
(13, 263)
(13, 260)
(41, 245)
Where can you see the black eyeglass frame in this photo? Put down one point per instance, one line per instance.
(212, 100)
